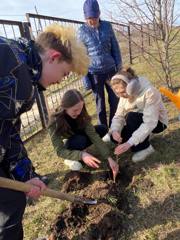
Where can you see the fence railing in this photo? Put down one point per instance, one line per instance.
(123, 35)
(141, 38)
(11, 29)
(37, 118)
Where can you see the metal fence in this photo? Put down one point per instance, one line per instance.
(134, 39)
(141, 38)
(11, 29)
(36, 119)
(122, 33)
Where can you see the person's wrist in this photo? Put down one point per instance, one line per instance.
(130, 142)
(109, 158)
(83, 154)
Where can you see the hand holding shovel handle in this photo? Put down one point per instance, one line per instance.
(25, 187)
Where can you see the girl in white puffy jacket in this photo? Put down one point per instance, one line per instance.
(140, 112)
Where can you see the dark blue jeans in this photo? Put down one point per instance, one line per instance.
(98, 82)
(133, 122)
(81, 141)
(12, 206)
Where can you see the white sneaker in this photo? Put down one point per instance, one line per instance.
(106, 138)
(73, 165)
(143, 154)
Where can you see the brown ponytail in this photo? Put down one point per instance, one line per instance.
(128, 72)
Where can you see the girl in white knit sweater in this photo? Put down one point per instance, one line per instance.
(140, 112)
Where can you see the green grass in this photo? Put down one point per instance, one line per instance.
(154, 196)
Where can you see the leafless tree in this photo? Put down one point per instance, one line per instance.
(154, 33)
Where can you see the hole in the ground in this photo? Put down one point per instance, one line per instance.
(109, 228)
(75, 180)
(97, 222)
(70, 218)
(124, 177)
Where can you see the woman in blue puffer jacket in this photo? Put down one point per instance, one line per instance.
(105, 56)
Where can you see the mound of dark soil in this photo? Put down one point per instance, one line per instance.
(103, 221)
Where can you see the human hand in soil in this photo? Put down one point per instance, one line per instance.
(37, 188)
(90, 160)
(122, 148)
(114, 167)
(116, 136)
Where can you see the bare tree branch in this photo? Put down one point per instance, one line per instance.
(153, 33)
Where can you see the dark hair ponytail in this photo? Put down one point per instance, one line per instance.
(128, 72)
(131, 72)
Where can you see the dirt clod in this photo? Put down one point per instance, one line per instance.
(103, 221)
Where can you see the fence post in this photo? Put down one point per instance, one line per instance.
(40, 98)
(42, 107)
(149, 35)
(27, 33)
(142, 40)
(129, 40)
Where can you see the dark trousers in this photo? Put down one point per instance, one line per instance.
(133, 122)
(12, 206)
(81, 141)
(98, 82)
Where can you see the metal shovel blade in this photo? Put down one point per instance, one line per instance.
(83, 200)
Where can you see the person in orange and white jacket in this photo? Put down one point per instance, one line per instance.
(140, 112)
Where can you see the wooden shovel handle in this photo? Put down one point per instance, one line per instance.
(25, 187)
